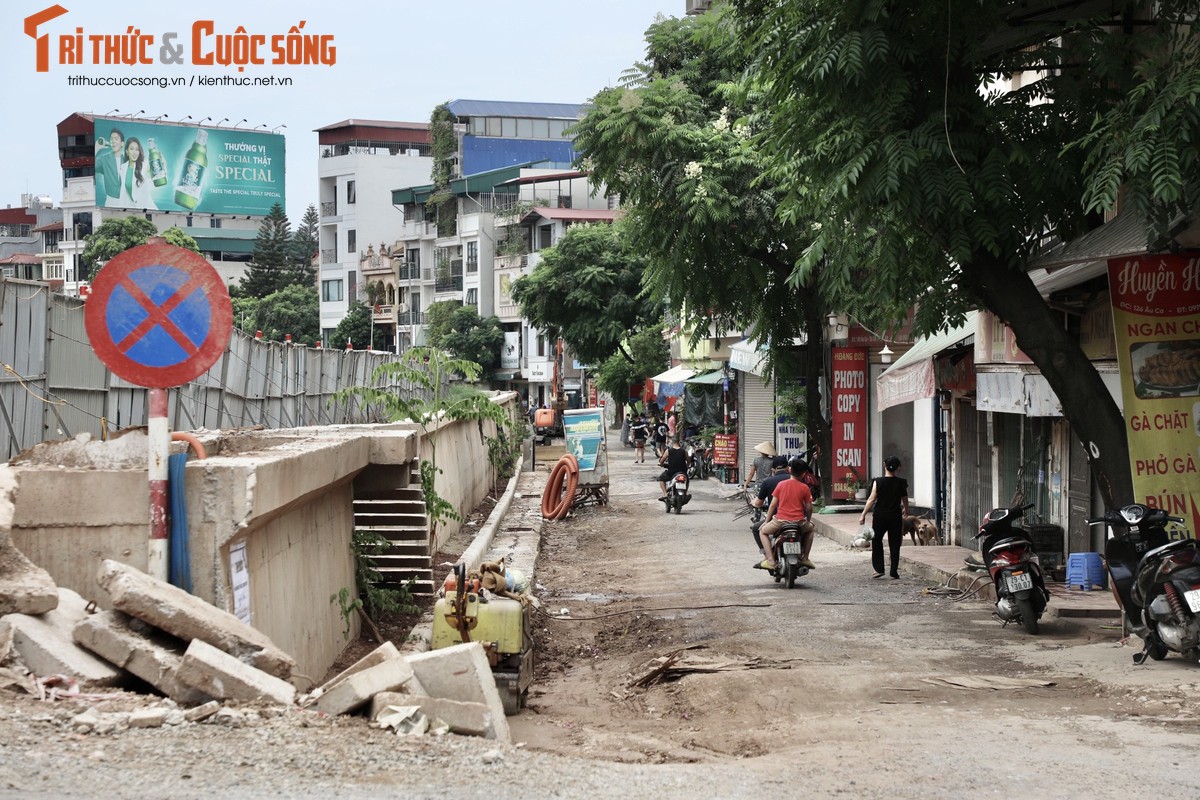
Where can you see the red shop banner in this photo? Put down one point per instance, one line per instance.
(725, 449)
(849, 418)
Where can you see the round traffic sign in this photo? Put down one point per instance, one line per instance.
(158, 315)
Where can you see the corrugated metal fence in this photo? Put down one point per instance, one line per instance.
(54, 387)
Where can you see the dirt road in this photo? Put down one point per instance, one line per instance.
(844, 686)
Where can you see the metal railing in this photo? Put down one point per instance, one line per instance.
(448, 283)
(329, 209)
(329, 257)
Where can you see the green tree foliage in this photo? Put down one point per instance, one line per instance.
(305, 244)
(443, 147)
(271, 264)
(588, 290)
(439, 316)
(880, 132)
(355, 327)
(649, 354)
(293, 309)
(466, 335)
(676, 143)
(117, 234)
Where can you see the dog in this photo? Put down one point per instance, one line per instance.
(922, 530)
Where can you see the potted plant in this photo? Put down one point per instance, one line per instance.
(855, 485)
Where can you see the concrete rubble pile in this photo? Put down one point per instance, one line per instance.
(200, 657)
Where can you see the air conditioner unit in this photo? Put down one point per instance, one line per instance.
(412, 152)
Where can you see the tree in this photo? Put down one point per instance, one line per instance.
(117, 234)
(439, 320)
(305, 244)
(649, 354)
(356, 327)
(294, 310)
(675, 143)
(892, 139)
(588, 289)
(472, 338)
(271, 263)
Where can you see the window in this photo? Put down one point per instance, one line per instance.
(472, 256)
(492, 126)
(524, 129)
(472, 297)
(545, 239)
(351, 193)
(352, 280)
(412, 258)
(149, 216)
(541, 129)
(331, 291)
(214, 222)
(541, 346)
(188, 221)
(351, 241)
(508, 127)
(558, 128)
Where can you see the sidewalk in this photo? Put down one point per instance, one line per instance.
(944, 564)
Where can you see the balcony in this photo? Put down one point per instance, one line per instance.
(511, 262)
(329, 209)
(377, 266)
(448, 283)
(384, 315)
(329, 257)
(409, 318)
(409, 274)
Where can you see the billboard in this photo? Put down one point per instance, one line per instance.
(186, 169)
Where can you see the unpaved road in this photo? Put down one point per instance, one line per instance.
(837, 687)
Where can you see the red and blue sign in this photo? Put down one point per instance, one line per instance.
(158, 315)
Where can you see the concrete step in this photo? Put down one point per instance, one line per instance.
(389, 520)
(396, 533)
(390, 505)
(410, 548)
(393, 561)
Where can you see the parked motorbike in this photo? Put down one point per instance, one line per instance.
(699, 459)
(1011, 561)
(1156, 581)
(786, 548)
(677, 492)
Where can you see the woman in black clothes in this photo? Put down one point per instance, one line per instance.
(889, 498)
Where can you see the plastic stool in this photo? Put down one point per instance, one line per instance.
(1086, 570)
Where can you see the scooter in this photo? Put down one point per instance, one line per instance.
(1156, 581)
(1012, 563)
(786, 548)
(698, 458)
(677, 492)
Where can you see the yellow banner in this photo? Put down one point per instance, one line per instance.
(1156, 319)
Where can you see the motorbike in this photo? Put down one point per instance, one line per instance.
(786, 548)
(1156, 580)
(698, 458)
(677, 492)
(1012, 563)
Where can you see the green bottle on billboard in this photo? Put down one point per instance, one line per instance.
(158, 165)
(187, 191)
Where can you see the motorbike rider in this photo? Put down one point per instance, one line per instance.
(675, 459)
(779, 474)
(791, 501)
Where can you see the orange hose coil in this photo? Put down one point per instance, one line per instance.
(559, 495)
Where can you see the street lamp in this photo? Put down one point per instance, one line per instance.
(885, 355)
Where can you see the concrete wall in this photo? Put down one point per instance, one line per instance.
(287, 494)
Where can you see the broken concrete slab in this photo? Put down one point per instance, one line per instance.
(461, 672)
(25, 588)
(223, 677)
(132, 645)
(46, 645)
(384, 652)
(148, 718)
(355, 691)
(202, 712)
(6, 638)
(187, 617)
(468, 719)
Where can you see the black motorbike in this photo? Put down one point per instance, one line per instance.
(786, 547)
(1013, 565)
(700, 460)
(1156, 580)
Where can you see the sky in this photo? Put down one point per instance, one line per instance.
(393, 60)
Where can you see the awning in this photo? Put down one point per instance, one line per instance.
(748, 356)
(713, 378)
(670, 383)
(912, 377)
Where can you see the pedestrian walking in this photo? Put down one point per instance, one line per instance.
(638, 431)
(889, 498)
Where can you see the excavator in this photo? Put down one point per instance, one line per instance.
(548, 422)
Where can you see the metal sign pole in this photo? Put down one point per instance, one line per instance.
(160, 453)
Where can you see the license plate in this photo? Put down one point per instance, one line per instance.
(793, 548)
(1193, 600)
(1018, 583)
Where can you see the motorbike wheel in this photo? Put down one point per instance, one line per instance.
(793, 571)
(1157, 650)
(678, 506)
(1028, 616)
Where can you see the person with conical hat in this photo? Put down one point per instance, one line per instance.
(761, 467)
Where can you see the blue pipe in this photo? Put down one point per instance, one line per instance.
(180, 570)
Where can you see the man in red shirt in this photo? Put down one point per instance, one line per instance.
(790, 502)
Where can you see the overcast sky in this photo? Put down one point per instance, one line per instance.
(394, 60)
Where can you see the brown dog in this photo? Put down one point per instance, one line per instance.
(922, 530)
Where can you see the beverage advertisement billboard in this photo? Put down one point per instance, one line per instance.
(186, 169)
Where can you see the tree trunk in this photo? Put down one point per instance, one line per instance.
(814, 366)
(1095, 419)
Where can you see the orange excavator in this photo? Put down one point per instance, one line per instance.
(548, 422)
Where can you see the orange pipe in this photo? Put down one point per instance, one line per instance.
(180, 436)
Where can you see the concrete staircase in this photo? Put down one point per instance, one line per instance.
(399, 515)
